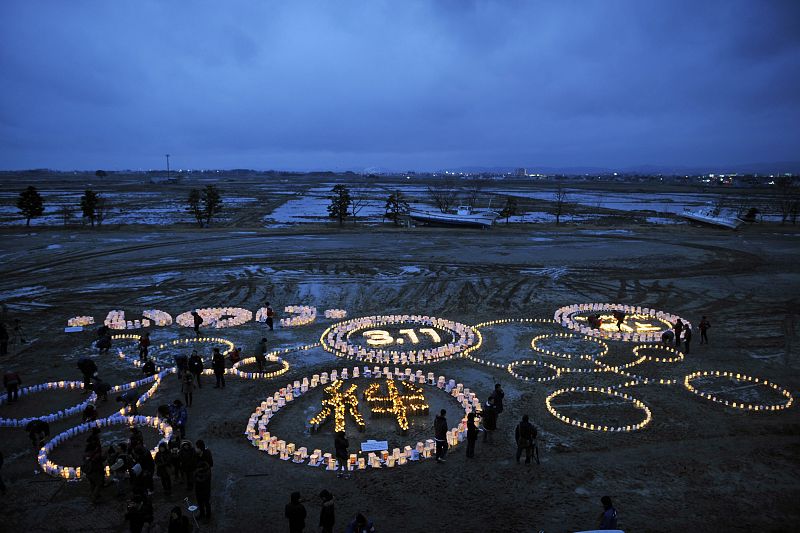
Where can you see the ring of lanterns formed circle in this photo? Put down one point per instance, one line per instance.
(336, 339)
(515, 364)
(564, 355)
(469, 354)
(177, 342)
(72, 472)
(648, 416)
(687, 382)
(52, 417)
(568, 316)
(272, 357)
(259, 437)
(213, 317)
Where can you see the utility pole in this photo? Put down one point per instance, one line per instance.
(167, 167)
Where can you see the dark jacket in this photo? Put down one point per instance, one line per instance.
(218, 363)
(139, 515)
(327, 516)
(202, 482)
(472, 432)
(440, 427)
(524, 434)
(296, 514)
(195, 364)
(489, 417)
(188, 459)
(87, 367)
(341, 444)
(498, 396)
(205, 456)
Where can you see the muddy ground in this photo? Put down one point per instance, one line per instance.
(698, 464)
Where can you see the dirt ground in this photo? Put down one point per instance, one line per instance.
(697, 465)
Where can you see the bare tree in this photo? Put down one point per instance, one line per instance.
(66, 212)
(102, 209)
(559, 203)
(444, 195)
(358, 201)
(475, 188)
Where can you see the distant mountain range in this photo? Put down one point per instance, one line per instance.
(792, 167)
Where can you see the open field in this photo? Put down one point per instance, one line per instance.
(698, 464)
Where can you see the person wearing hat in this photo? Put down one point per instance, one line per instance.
(327, 516)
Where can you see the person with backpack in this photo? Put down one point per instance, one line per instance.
(525, 436)
(218, 365)
(704, 325)
(196, 367)
(440, 436)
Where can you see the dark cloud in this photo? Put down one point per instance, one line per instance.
(313, 84)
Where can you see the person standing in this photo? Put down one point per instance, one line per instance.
(608, 518)
(270, 316)
(218, 364)
(144, 346)
(489, 417)
(202, 489)
(187, 388)
(472, 434)
(163, 462)
(360, 525)
(195, 366)
(295, 513)
(261, 353)
(198, 321)
(341, 445)
(704, 325)
(525, 435)
(678, 329)
(139, 513)
(327, 515)
(18, 336)
(203, 453)
(178, 416)
(188, 458)
(498, 396)
(93, 466)
(11, 381)
(440, 435)
(3, 339)
(687, 338)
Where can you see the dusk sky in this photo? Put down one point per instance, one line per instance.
(398, 85)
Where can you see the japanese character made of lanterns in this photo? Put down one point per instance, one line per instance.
(259, 436)
(648, 417)
(51, 417)
(115, 319)
(396, 404)
(336, 314)
(648, 326)
(336, 339)
(158, 317)
(338, 403)
(302, 316)
(687, 382)
(216, 317)
(70, 472)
